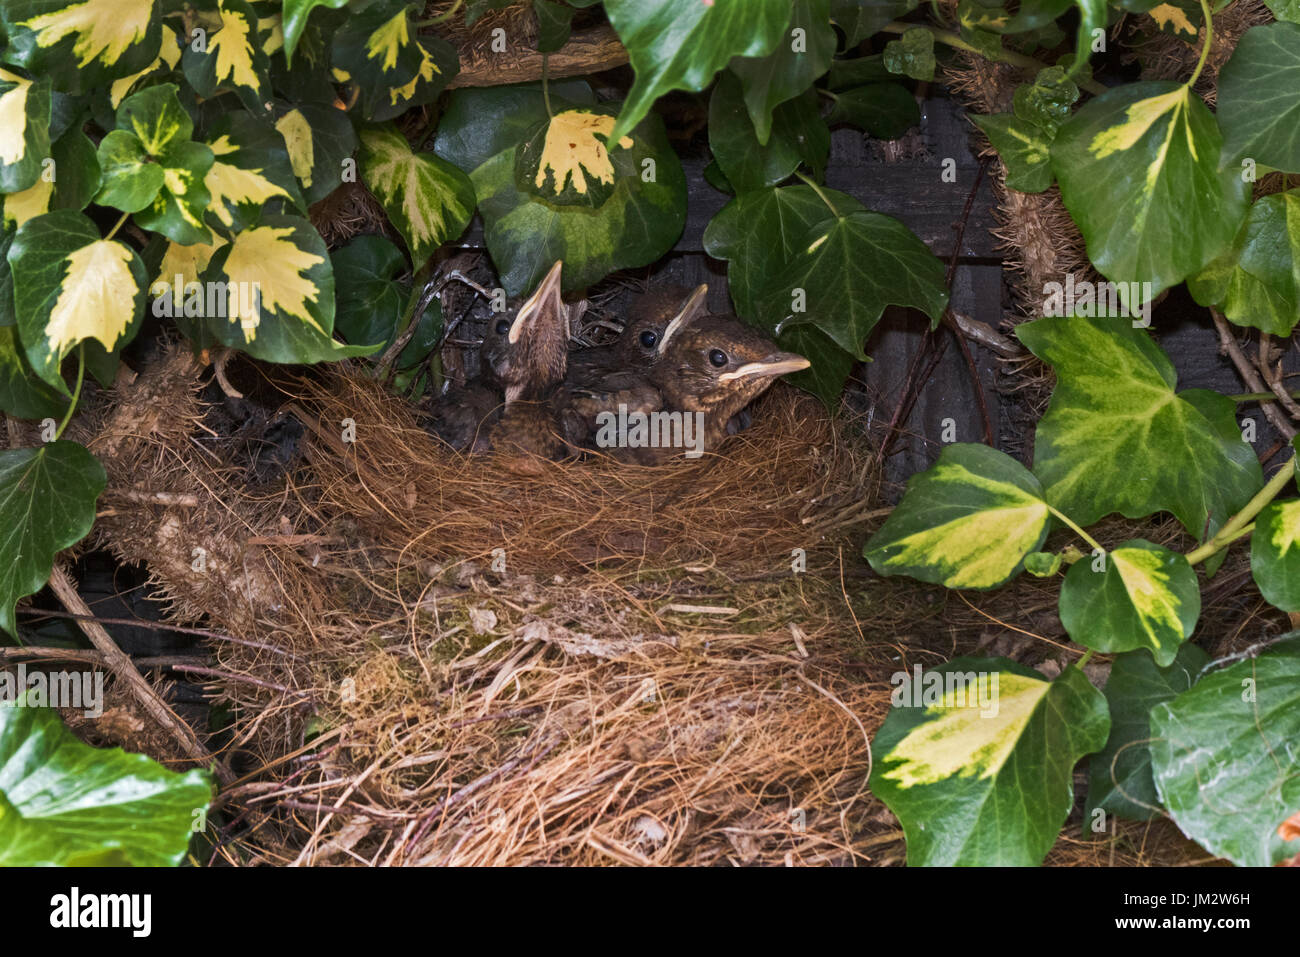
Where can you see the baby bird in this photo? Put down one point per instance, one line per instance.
(523, 356)
(637, 346)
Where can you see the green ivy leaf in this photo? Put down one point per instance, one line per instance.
(885, 110)
(1224, 759)
(1138, 168)
(481, 122)
(1275, 554)
(295, 17)
(912, 54)
(845, 270)
(801, 56)
(846, 74)
(81, 44)
(22, 395)
(251, 172)
(64, 803)
(798, 135)
(681, 44)
(369, 300)
(318, 139)
(860, 19)
(983, 774)
(1043, 564)
(427, 199)
(1288, 10)
(1047, 101)
(47, 503)
(178, 210)
(71, 285)
(393, 67)
(1257, 281)
(131, 179)
(554, 20)
(1143, 596)
(72, 183)
(280, 273)
(1120, 775)
(1025, 150)
(1115, 402)
(25, 140)
(1259, 98)
(968, 521)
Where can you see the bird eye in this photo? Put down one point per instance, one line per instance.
(649, 338)
(718, 357)
(503, 326)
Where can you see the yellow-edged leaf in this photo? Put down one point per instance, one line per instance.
(105, 29)
(33, 201)
(186, 262)
(232, 184)
(232, 47)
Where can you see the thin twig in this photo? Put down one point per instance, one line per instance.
(1228, 345)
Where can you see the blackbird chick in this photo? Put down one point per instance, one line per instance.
(523, 355)
(637, 345)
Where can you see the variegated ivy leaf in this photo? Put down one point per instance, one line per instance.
(968, 521)
(82, 44)
(1117, 437)
(1259, 99)
(231, 57)
(318, 138)
(24, 129)
(71, 285)
(295, 20)
(1179, 19)
(567, 158)
(1257, 281)
(70, 181)
(637, 224)
(977, 760)
(480, 122)
(392, 67)
(1139, 173)
(251, 172)
(151, 168)
(168, 58)
(1224, 757)
(427, 199)
(1138, 595)
(800, 57)
(1275, 554)
(681, 44)
(278, 302)
(1025, 150)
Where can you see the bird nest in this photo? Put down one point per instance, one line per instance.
(427, 659)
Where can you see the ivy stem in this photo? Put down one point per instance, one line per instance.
(546, 85)
(442, 17)
(1205, 50)
(1079, 531)
(1087, 657)
(818, 190)
(1260, 396)
(116, 226)
(1237, 525)
(1005, 56)
(76, 393)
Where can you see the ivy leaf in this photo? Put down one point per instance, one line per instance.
(1288, 10)
(968, 521)
(22, 395)
(392, 67)
(156, 119)
(801, 56)
(1047, 101)
(1138, 168)
(234, 58)
(845, 270)
(981, 773)
(318, 139)
(82, 44)
(1257, 281)
(1259, 98)
(130, 179)
(1275, 554)
(251, 171)
(1043, 564)
(567, 159)
(1182, 20)
(64, 803)
(554, 20)
(845, 74)
(912, 54)
(681, 44)
(281, 305)
(71, 285)
(178, 210)
(1144, 596)
(637, 224)
(426, 198)
(1120, 775)
(798, 135)
(1224, 760)
(885, 110)
(72, 182)
(294, 20)
(47, 503)
(168, 58)
(1115, 402)
(480, 122)
(24, 129)
(757, 233)
(369, 300)
(1025, 150)
(860, 19)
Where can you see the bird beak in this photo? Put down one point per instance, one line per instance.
(545, 299)
(779, 363)
(693, 307)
